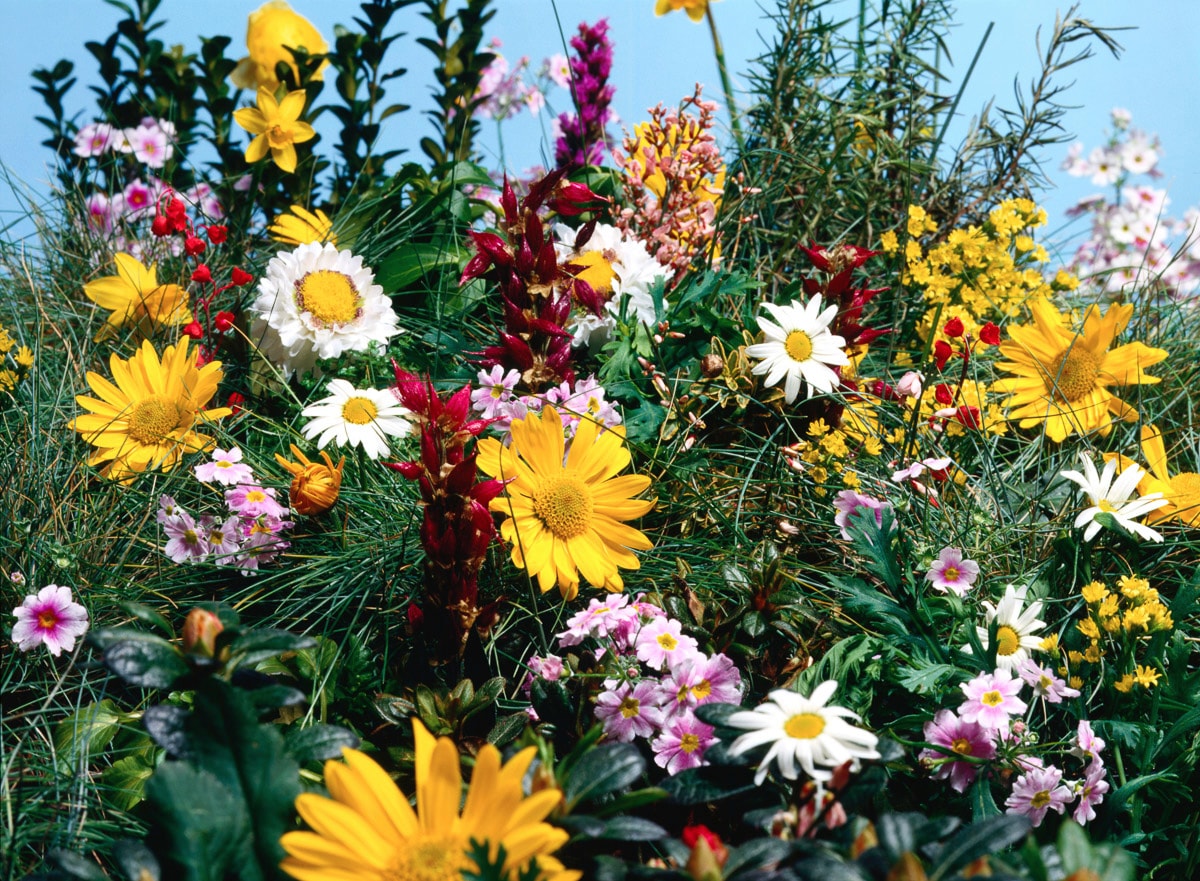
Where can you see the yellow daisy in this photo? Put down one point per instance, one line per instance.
(1181, 490)
(367, 830)
(565, 509)
(299, 226)
(277, 128)
(134, 295)
(147, 419)
(1062, 377)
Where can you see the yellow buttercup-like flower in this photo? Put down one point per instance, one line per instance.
(566, 509)
(273, 29)
(695, 9)
(134, 295)
(1063, 377)
(146, 417)
(368, 831)
(277, 127)
(1181, 489)
(299, 226)
(315, 486)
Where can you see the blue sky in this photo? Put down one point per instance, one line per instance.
(660, 59)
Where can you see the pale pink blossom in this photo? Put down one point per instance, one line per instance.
(992, 699)
(51, 618)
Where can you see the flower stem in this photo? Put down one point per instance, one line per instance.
(726, 85)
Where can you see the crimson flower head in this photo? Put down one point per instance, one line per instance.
(202, 274)
(969, 417)
(193, 246)
(160, 226)
(990, 334)
(217, 234)
(837, 258)
(954, 327)
(942, 353)
(240, 277)
(942, 394)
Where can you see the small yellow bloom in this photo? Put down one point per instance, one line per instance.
(1050, 644)
(695, 9)
(274, 28)
(1093, 653)
(315, 486)
(134, 295)
(1094, 592)
(277, 128)
(1124, 684)
(1110, 606)
(1075, 682)
(889, 243)
(1133, 587)
(1147, 677)
(1135, 618)
(298, 226)
(1088, 628)
(818, 428)
(1075, 657)
(25, 358)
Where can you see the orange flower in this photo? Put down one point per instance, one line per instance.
(315, 486)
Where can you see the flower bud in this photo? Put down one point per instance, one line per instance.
(315, 485)
(200, 632)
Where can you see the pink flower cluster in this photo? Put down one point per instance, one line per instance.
(503, 92)
(1134, 244)
(247, 536)
(987, 730)
(496, 399)
(657, 678)
(151, 142)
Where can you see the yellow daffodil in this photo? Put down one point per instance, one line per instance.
(695, 9)
(273, 29)
(277, 127)
(134, 295)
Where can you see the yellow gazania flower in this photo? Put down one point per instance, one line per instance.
(299, 226)
(315, 487)
(695, 8)
(134, 295)
(277, 126)
(565, 510)
(147, 419)
(272, 28)
(1182, 490)
(1063, 377)
(368, 831)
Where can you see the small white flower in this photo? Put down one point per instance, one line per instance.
(319, 302)
(799, 347)
(357, 417)
(1110, 496)
(1016, 630)
(802, 730)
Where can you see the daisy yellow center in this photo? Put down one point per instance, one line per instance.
(1007, 640)
(630, 707)
(597, 270)
(47, 620)
(804, 726)
(702, 690)
(497, 392)
(330, 297)
(689, 743)
(255, 495)
(667, 641)
(153, 419)
(951, 574)
(961, 745)
(1106, 506)
(564, 505)
(1044, 682)
(1073, 373)
(429, 859)
(798, 345)
(359, 411)
(1185, 491)
(992, 698)
(224, 463)
(1040, 799)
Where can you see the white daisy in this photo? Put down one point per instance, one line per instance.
(357, 417)
(802, 729)
(799, 346)
(319, 302)
(1016, 630)
(1112, 497)
(620, 270)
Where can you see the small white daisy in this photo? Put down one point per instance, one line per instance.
(1016, 630)
(357, 417)
(800, 346)
(1110, 496)
(319, 302)
(802, 730)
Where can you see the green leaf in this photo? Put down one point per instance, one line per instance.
(206, 826)
(125, 781)
(252, 646)
(149, 617)
(83, 734)
(507, 729)
(925, 677)
(140, 658)
(413, 261)
(629, 828)
(602, 771)
(977, 840)
(319, 742)
(983, 805)
(701, 785)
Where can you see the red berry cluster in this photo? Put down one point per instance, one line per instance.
(989, 335)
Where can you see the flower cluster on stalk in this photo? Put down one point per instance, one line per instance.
(583, 138)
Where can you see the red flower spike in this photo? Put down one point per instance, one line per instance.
(202, 274)
(217, 234)
(989, 334)
(193, 246)
(160, 226)
(942, 353)
(194, 330)
(508, 201)
(943, 395)
(954, 327)
(223, 321)
(411, 470)
(240, 277)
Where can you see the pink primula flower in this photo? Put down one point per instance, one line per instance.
(51, 619)
(992, 699)
(952, 572)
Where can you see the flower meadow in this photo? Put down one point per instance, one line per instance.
(779, 501)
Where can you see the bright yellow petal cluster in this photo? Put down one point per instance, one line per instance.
(134, 296)
(315, 486)
(368, 831)
(1181, 489)
(145, 418)
(566, 508)
(695, 9)
(277, 128)
(273, 28)
(300, 226)
(23, 359)
(1062, 378)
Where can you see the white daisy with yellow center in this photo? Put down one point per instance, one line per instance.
(357, 417)
(797, 346)
(319, 302)
(1017, 629)
(802, 731)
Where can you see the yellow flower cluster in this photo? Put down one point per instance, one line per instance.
(830, 453)
(13, 367)
(1118, 620)
(977, 274)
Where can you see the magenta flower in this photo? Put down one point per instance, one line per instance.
(1091, 792)
(700, 679)
(1037, 791)
(252, 501)
(262, 543)
(51, 619)
(583, 138)
(951, 572)
(629, 711)
(682, 744)
(848, 503)
(186, 539)
(958, 738)
(992, 699)
(94, 139)
(226, 468)
(167, 508)
(661, 643)
(1045, 683)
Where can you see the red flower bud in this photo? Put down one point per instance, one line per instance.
(236, 399)
(217, 234)
(954, 327)
(194, 330)
(160, 227)
(202, 274)
(990, 334)
(241, 277)
(223, 321)
(942, 394)
(942, 353)
(192, 246)
(969, 416)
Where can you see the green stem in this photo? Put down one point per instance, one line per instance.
(726, 85)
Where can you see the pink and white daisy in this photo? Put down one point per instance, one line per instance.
(226, 468)
(94, 139)
(662, 643)
(682, 744)
(150, 144)
(952, 572)
(848, 503)
(596, 620)
(187, 541)
(1045, 683)
(1087, 744)
(628, 711)
(1092, 790)
(251, 501)
(167, 508)
(51, 618)
(137, 200)
(992, 699)
(262, 542)
(957, 738)
(1037, 791)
